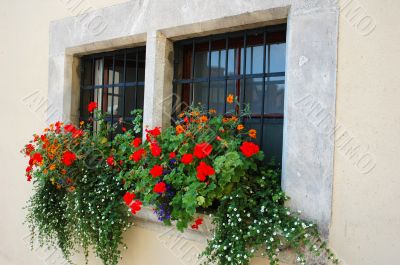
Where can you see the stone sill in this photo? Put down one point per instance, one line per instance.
(146, 218)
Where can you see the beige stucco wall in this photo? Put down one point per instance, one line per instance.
(366, 220)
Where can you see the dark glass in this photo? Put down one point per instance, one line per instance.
(200, 93)
(86, 98)
(119, 69)
(87, 77)
(274, 96)
(253, 94)
(131, 66)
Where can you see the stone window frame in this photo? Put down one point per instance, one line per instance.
(311, 66)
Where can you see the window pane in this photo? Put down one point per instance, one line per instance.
(119, 68)
(87, 72)
(255, 59)
(141, 65)
(131, 66)
(108, 70)
(130, 99)
(274, 96)
(86, 97)
(217, 96)
(272, 139)
(98, 72)
(139, 97)
(278, 55)
(200, 93)
(201, 60)
(253, 94)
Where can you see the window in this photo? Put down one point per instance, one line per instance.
(249, 64)
(115, 80)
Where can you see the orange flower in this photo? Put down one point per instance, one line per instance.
(194, 113)
(253, 133)
(234, 118)
(203, 118)
(179, 129)
(63, 171)
(81, 123)
(45, 171)
(181, 115)
(71, 189)
(230, 99)
(212, 111)
(225, 120)
(52, 167)
(240, 127)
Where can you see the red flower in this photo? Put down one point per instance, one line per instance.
(68, 158)
(202, 150)
(197, 223)
(155, 149)
(136, 206)
(160, 187)
(91, 106)
(129, 197)
(218, 138)
(69, 128)
(155, 132)
(29, 148)
(77, 133)
(187, 159)
(204, 170)
(136, 142)
(36, 159)
(137, 155)
(172, 155)
(249, 149)
(110, 161)
(156, 171)
(28, 177)
(123, 129)
(28, 169)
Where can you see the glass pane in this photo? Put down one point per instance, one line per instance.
(141, 65)
(200, 93)
(86, 97)
(87, 72)
(255, 60)
(130, 99)
(232, 85)
(108, 70)
(139, 97)
(119, 69)
(253, 94)
(272, 140)
(131, 66)
(98, 72)
(217, 96)
(274, 97)
(201, 60)
(278, 55)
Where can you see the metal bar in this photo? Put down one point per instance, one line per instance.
(244, 69)
(124, 79)
(264, 88)
(209, 73)
(193, 63)
(226, 70)
(112, 97)
(137, 77)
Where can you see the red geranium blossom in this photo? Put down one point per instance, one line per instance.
(202, 150)
(91, 106)
(136, 142)
(136, 206)
(68, 158)
(36, 159)
(156, 171)
(155, 132)
(204, 170)
(29, 148)
(110, 161)
(160, 187)
(249, 149)
(69, 128)
(137, 155)
(172, 155)
(187, 159)
(129, 197)
(77, 133)
(28, 177)
(197, 223)
(155, 149)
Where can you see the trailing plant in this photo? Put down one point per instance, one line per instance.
(76, 203)
(85, 183)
